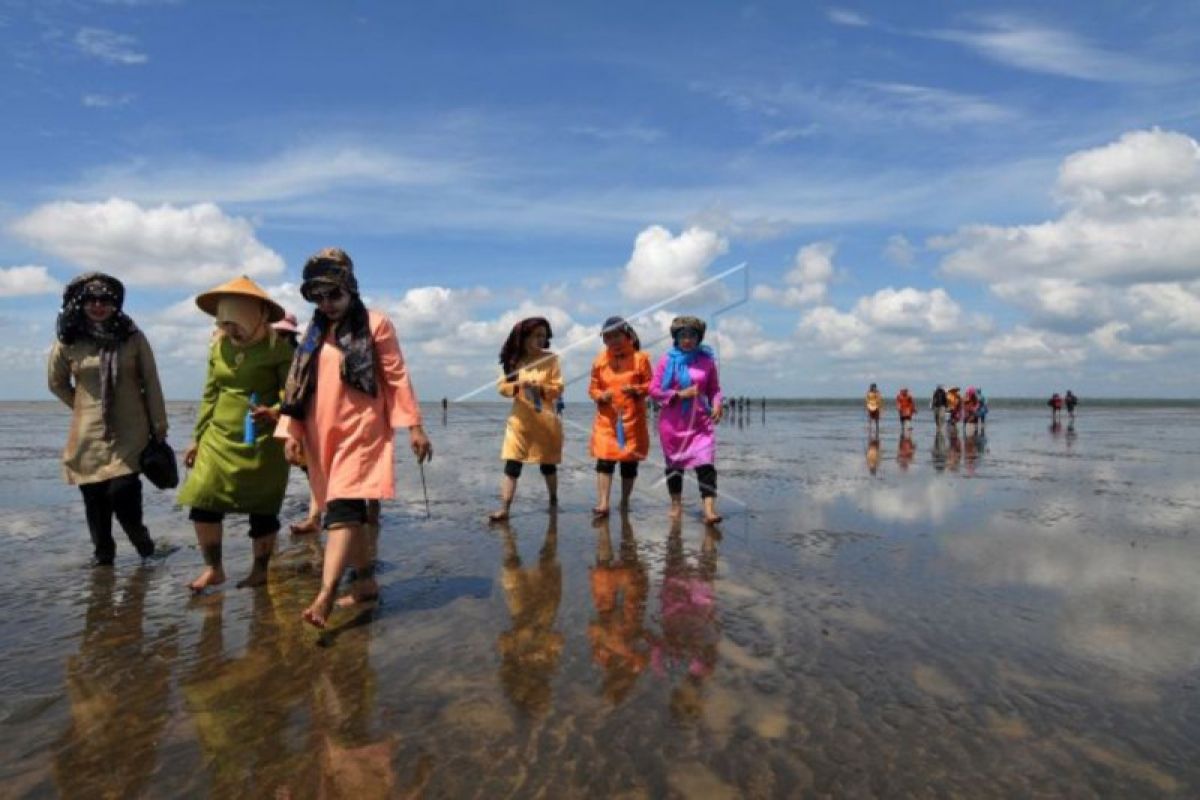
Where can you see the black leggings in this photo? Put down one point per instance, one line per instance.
(705, 473)
(628, 468)
(260, 524)
(513, 468)
(123, 497)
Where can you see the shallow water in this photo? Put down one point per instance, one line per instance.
(1010, 616)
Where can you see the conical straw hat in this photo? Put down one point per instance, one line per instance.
(243, 286)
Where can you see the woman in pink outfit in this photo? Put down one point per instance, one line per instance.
(347, 392)
(685, 383)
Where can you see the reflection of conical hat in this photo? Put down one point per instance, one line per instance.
(240, 286)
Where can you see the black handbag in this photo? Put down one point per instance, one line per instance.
(157, 463)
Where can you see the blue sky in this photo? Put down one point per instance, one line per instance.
(1006, 195)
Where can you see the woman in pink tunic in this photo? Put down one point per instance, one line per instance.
(685, 383)
(347, 393)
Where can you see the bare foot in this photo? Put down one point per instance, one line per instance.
(554, 501)
(599, 512)
(212, 576)
(358, 601)
(309, 525)
(676, 512)
(499, 515)
(712, 519)
(257, 577)
(623, 505)
(318, 612)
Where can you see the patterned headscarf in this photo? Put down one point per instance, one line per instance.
(331, 267)
(73, 324)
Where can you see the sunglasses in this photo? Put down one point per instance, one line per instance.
(99, 300)
(329, 296)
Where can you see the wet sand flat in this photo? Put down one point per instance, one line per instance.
(1009, 615)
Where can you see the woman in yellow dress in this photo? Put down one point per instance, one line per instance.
(532, 378)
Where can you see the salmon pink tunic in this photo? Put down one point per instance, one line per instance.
(348, 434)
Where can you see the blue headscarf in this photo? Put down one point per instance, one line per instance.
(676, 370)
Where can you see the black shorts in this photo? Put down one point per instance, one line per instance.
(260, 524)
(339, 513)
(513, 468)
(629, 469)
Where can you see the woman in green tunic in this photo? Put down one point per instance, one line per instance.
(239, 466)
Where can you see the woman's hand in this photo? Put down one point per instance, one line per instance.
(293, 451)
(718, 411)
(421, 446)
(631, 391)
(189, 455)
(688, 393)
(264, 414)
(605, 397)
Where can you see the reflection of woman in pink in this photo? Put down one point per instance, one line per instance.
(688, 618)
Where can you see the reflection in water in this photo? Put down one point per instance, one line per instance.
(873, 455)
(249, 712)
(974, 446)
(938, 454)
(118, 686)
(686, 651)
(953, 450)
(906, 450)
(530, 649)
(617, 634)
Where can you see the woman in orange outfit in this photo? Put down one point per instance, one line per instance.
(906, 407)
(621, 377)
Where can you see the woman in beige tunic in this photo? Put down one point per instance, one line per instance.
(533, 380)
(102, 368)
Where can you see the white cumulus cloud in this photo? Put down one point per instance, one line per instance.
(807, 282)
(26, 280)
(1132, 216)
(663, 265)
(165, 245)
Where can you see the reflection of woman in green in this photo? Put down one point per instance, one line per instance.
(688, 619)
(118, 685)
(617, 635)
(240, 706)
(530, 649)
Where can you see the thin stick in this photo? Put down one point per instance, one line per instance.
(424, 489)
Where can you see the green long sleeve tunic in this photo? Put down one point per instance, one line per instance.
(231, 476)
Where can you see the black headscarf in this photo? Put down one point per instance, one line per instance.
(514, 345)
(73, 324)
(331, 267)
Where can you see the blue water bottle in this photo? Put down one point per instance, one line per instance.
(248, 433)
(620, 430)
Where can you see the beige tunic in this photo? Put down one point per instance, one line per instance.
(533, 436)
(74, 377)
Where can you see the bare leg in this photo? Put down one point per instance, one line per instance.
(604, 481)
(338, 552)
(508, 490)
(626, 491)
(364, 550)
(263, 547)
(552, 488)
(710, 511)
(208, 536)
(311, 524)
(676, 506)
